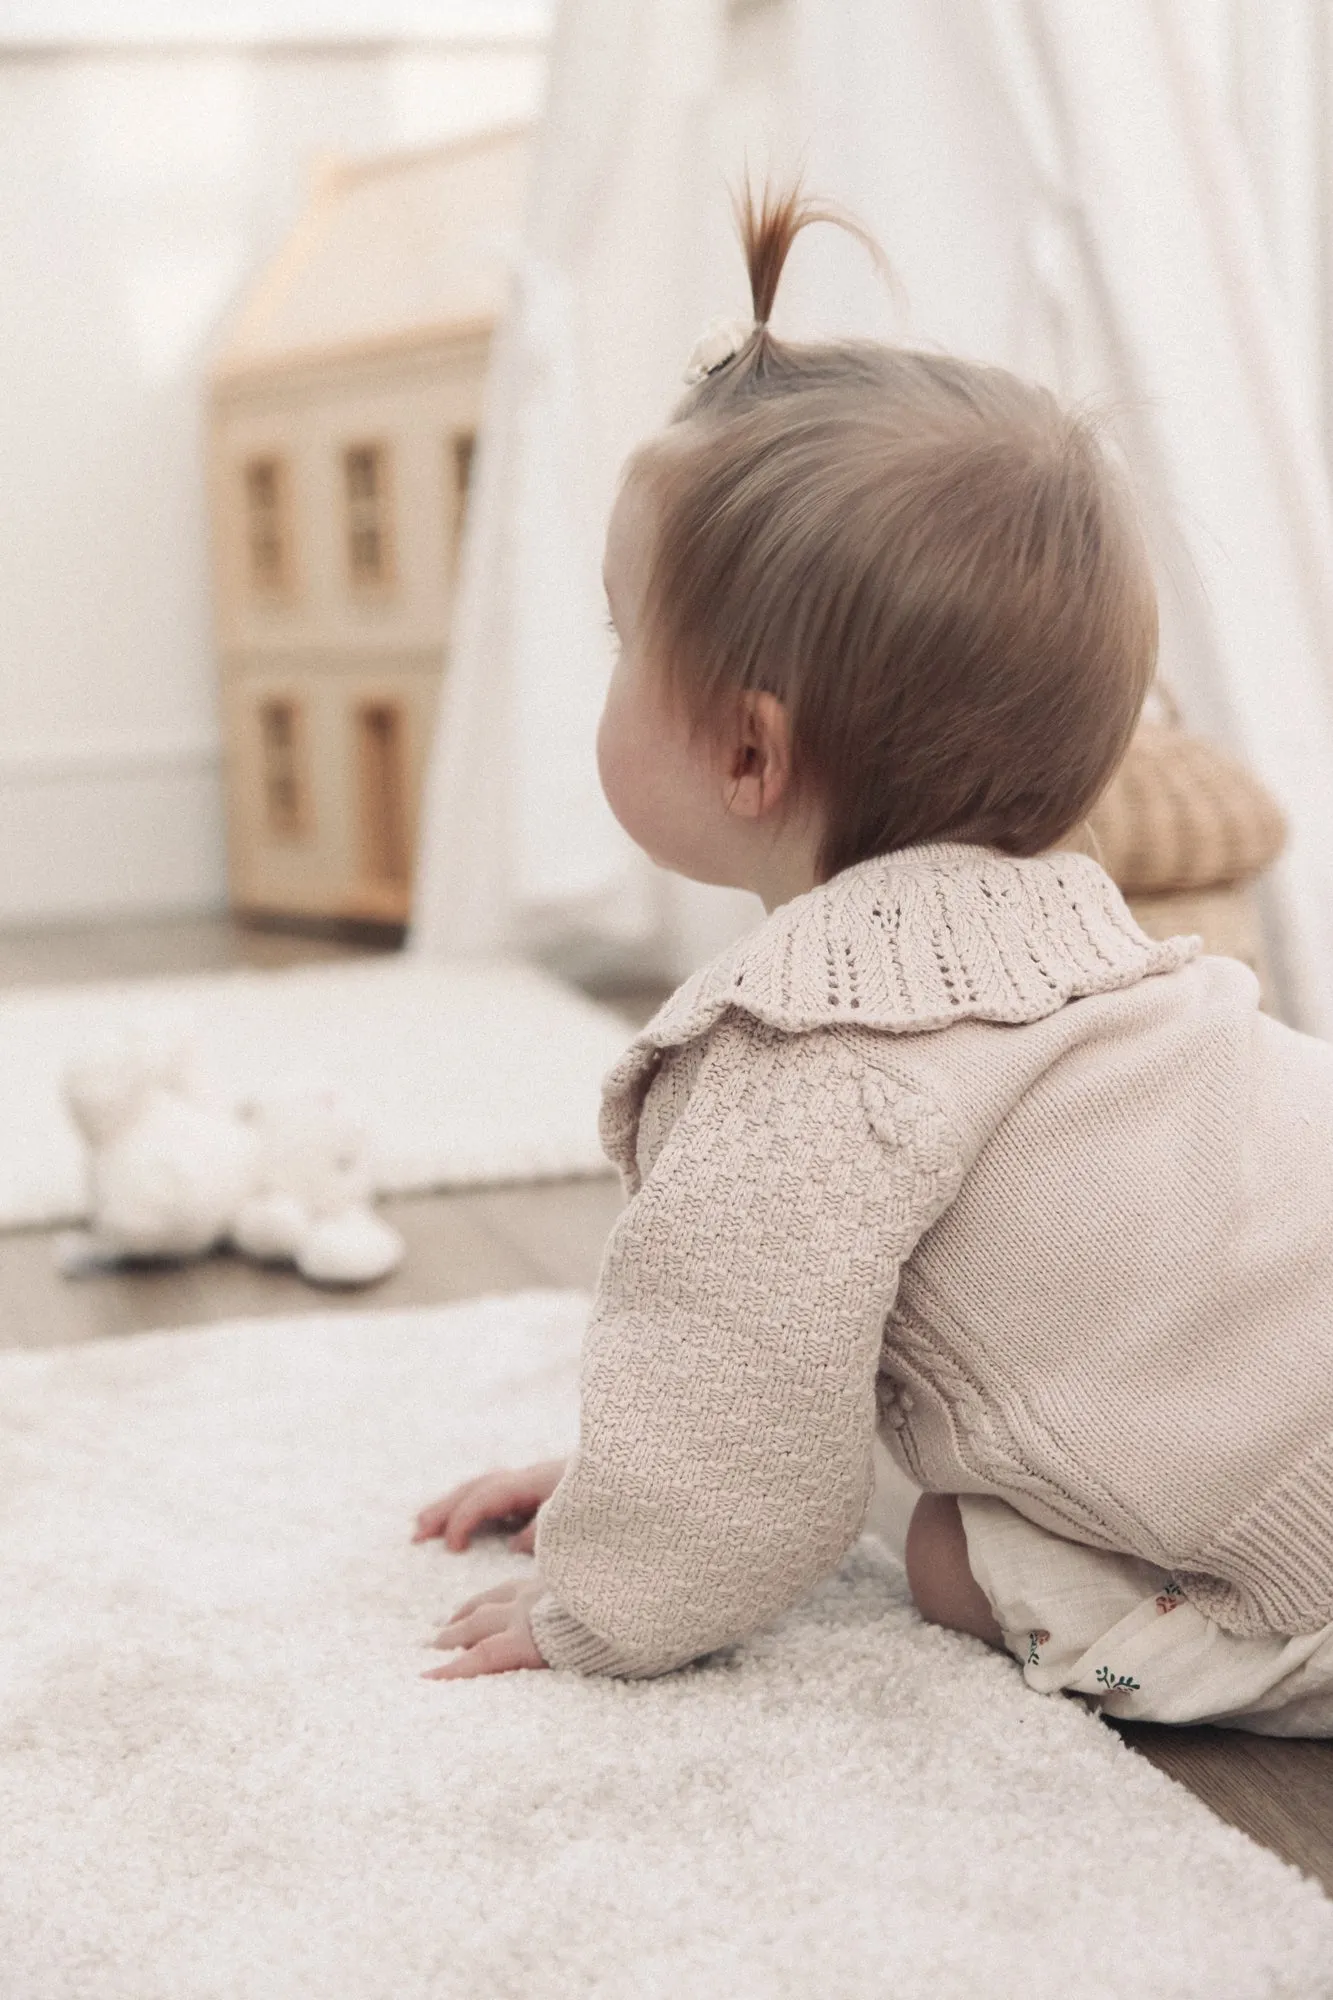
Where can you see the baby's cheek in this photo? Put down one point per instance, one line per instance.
(618, 767)
(655, 786)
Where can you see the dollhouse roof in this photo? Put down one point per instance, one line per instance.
(388, 247)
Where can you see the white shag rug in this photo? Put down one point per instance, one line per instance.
(221, 1775)
(473, 1072)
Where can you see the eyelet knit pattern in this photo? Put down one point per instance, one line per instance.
(950, 1147)
(907, 943)
(928, 936)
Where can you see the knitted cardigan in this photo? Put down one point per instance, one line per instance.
(949, 1148)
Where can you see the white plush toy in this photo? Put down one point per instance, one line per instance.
(311, 1194)
(173, 1171)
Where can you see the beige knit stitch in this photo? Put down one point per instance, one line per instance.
(950, 1147)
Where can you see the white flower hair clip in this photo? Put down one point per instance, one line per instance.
(720, 342)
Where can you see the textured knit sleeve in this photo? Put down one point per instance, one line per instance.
(728, 1408)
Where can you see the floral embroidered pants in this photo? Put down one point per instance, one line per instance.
(1084, 1621)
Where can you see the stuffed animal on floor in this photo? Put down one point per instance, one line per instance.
(174, 1171)
(310, 1200)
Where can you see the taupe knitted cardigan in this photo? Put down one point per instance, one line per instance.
(948, 1147)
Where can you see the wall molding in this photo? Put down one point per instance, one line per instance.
(91, 758)
(284, 27)
(110, 826)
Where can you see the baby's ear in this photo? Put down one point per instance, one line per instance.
(758, 759)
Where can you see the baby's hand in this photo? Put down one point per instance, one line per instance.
(495, 1496)
(492, 1634)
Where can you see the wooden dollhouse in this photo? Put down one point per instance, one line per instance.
(343, 415)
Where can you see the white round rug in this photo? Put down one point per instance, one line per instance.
(221, 1775)
(471, 1072)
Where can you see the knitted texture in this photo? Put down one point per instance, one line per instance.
(717, 1478)
(950, 1148)
(928, 936)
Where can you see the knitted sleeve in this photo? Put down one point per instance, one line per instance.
(728, 1409)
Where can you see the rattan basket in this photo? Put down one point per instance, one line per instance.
(1227, 920)
(1181, 815)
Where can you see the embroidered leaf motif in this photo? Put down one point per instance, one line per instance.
(1113, 1683)
(1171, 1596)
(1036, 1640)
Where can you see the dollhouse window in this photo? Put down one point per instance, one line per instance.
(366, 488)
(462, 450)
(268, 525)
(282, 769)
(381, 750)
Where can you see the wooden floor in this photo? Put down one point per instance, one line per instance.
(505, 1239)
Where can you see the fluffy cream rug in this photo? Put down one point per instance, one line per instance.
(221, 1775)
(473, 1072)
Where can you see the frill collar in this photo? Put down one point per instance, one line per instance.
(910, 942)
(926, 936)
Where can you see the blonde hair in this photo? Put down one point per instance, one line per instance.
(935, 566)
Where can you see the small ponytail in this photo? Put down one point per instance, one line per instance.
(731, 358)
(770, 225)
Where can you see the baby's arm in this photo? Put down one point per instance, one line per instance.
(728, 1399)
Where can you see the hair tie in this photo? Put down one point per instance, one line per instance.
(719, 343)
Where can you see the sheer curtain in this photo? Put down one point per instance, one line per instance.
(1172, 192)
(1124, 201)
(520, 852)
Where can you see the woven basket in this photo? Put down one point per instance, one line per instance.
(1181, 816)
(1226, 919)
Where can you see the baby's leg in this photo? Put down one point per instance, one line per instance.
(938, 1572)
(925, 1532)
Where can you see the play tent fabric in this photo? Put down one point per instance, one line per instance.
(1065, 191)
(609, 289)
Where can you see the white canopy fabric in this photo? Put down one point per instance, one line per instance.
(520, 851)
(1167, 243)
(1062, 190)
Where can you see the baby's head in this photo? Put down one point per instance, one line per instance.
(866, 598)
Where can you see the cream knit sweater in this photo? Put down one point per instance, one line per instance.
(948, 1147)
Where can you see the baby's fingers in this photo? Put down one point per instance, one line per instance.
(434, 1519)
(469, 1625)
(500, 1593)
(465, 1508)
(525, 1541)
(431, 1520)
(500, 1654)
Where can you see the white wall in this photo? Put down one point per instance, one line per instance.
(139, 187)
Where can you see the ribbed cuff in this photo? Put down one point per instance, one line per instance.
(566, 1642)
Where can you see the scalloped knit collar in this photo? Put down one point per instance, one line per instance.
(923, 937)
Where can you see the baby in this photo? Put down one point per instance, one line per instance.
(947, 1153)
